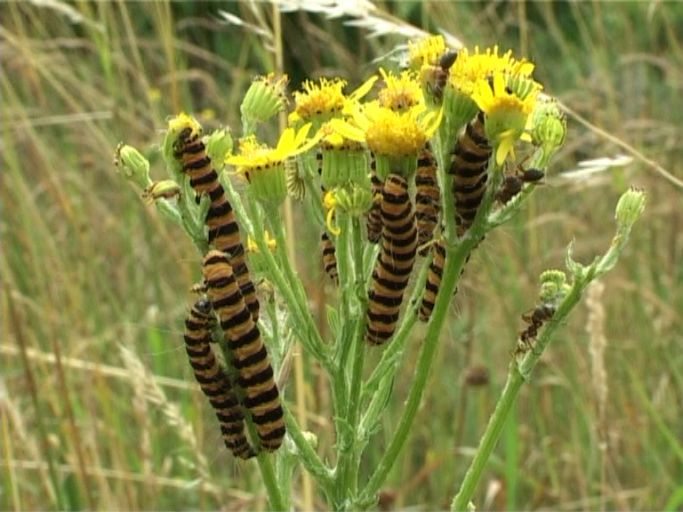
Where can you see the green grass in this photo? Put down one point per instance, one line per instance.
(87, 268)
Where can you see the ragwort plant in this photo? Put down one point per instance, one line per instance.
(468, 135)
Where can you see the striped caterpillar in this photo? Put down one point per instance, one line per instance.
(212, 379)
(249, 354)
(395, 261)
(224, 233)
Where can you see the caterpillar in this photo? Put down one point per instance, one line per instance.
(374, 223)
(212, 379)
(249, 354)
(224, 233)
(434, 276)
(468, 167)
(427, 200)
(395, 261)
(329, 257)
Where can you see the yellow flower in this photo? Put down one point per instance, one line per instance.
(426, 51)
(254, 156)
(400, 92)
(506, 113)
(325, 99)
(468, 69)
(332, 138)
(390, 133)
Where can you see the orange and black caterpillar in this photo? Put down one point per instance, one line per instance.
(224, 233)
(427, 199)
(329, 257)
(434, 277)
(249, 355)
(374, 224)
(395, 261)
(469, 164)
(212, 379)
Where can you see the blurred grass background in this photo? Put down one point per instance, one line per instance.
(99, 409)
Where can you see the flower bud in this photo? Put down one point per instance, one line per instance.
(264, 99)
(219, 145)
(548, 125)
(133, 165)
(354, 199)
(629, 208)
(165, 189)
(553, 286)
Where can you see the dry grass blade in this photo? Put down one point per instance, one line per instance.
(147, 387)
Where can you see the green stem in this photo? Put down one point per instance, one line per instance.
(348, 446)
(489, 440)
(307, 332)
(518, 373)
(309, 458)
(275, 497)
(455, 259)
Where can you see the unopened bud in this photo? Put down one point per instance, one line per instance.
(553, 286)
(219, 145)
(133, 165)
(548, 125)
(264, 99)
(165, 189)
(630, 207)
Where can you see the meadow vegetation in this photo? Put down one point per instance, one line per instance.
(99, 406)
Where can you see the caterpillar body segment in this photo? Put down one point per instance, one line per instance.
(469, 163)
(213, 381)
(224, 233)
(434, 277)
(395, 261)
(427, 198)
(329, 257)
(249, 354)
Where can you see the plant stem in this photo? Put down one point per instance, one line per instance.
(348, 446)
(455, 259)
(309, 458)
(272, 488)
(489, 439)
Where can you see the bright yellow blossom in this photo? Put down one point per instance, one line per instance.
(256, 156)
(506, 113)
(426, 51)
(468, 68)
(325, 99)
(400, 92)
(390, 133)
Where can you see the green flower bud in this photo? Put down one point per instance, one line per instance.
(264, 99)
(354, 199)
(548, 125)
(458, 110)
(133, 165)
(629, 208)
(219, 145)
(165, 189)
(553, 286)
